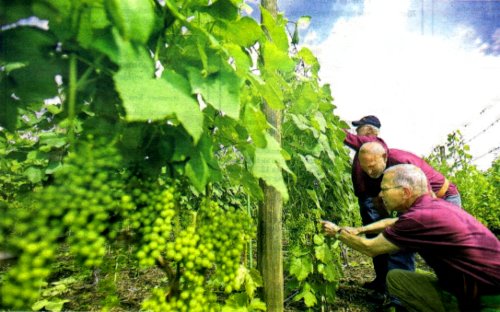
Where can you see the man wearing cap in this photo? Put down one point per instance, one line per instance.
(370, 204)
(463, 253)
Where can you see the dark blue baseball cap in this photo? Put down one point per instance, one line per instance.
(367, 120)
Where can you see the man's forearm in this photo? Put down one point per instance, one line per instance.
(377, 227)
(355, 242)
(370, 247)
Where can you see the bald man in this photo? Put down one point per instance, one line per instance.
(374, 159)
(464, 254)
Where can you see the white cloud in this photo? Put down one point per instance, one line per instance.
(421, 87)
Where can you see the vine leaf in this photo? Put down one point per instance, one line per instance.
(256, 124)
(329, 272)
(275, 29)
(36, 58)
(272, 96)
(134, 20)
(243, 32)
(197, 171)
(242, 60)
(146, 98)
(301, 267)
(221, 90)
(268, 164)
(252, 280)
(276, 59)
(308, 296)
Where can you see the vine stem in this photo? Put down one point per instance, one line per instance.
(250, 250)
(72, 97)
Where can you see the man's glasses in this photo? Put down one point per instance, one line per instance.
(384, 189)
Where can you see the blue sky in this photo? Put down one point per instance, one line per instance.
(425, 68)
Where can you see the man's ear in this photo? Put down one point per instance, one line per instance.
(408, 192)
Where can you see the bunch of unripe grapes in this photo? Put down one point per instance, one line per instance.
(211, 246)
(225, 232)
(151, 217)
(76, 208)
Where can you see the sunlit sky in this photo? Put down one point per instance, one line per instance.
(425, 68)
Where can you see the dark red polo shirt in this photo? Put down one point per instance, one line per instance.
(435, 178)
(459, 248)
(365, 187)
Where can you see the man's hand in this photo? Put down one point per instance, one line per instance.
(329, 228)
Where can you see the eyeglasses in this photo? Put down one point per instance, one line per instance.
(384, 189)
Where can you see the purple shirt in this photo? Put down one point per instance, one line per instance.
(435, 178)
(464, 254)
(364, 186)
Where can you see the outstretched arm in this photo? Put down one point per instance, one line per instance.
(369, 246)
(372, 228)
(355, 141)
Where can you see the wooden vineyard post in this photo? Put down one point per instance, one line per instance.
(269, 241)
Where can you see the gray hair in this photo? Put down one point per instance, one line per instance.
(409, 176)
(372, 129)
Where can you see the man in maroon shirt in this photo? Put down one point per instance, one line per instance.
(374, 159)
(464, 254)
(371, 207)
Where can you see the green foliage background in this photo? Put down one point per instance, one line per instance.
(478, 189)
(176, 89)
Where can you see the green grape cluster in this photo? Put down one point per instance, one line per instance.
(78, 208)
(193, 256)
(24, 280)
(152, 218)
(225, 233)
(211, 247)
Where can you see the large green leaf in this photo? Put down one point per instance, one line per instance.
(256, 124)
(197, 171)
(135, 19)
(313, 166)
(241, 58)
(272, 96)
(244, 32)
(301, 267)
(221, 90)
(275, 29)
(146, 98)
(268, 165)
(38, 58)
(276, 59)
